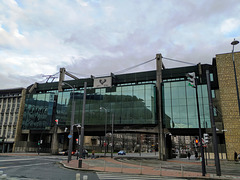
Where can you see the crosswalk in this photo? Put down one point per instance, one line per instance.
(121, 176)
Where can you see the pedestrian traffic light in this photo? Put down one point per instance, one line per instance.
(56, 120)
(191, 79)
(206, 138)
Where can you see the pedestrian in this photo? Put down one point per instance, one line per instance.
(93, 154)
(189, 155)
(196, 155)
(235, 156)
(83, 153)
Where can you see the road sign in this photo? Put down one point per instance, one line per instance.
(69, 136)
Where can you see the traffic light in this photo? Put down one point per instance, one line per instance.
(191, 79)
(77, 141)
(196, 141)
(56, 120)
(206, 138)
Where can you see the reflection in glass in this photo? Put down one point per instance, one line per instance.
(179, 105)
(130, 104)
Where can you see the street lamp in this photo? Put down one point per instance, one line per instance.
(105, 138)
(235, 42)
(70, 136)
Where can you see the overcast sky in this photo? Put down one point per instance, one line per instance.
(97, 37)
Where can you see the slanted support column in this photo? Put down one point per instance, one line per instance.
(54, 145)
(161, 137)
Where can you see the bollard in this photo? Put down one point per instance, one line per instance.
(80, 163)
(85, 177)
(3, 176)
(78, 176)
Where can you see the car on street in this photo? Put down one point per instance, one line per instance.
(121, 152)
(65, 152)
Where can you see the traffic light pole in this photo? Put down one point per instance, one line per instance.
(200, 132)
(215, 144)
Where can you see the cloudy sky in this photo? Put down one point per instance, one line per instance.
(97, 37)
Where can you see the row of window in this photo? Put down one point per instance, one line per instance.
(135, 104)
(180, 106)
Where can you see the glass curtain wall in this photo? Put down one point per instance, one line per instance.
(180, 107)
(130, 105)
(38, 111)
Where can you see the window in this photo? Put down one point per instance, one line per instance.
(211, 77)
(179, 105)
(215, 114)
(213, 94)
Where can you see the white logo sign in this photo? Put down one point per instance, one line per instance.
(102, 82)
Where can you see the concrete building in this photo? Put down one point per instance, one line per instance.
(10, 100)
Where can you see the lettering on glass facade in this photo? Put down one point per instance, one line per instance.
(102, 82)
(38, 111)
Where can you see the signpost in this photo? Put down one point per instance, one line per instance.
(69, 136)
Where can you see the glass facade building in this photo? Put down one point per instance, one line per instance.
(38, 111)
(130, 104)
(180, 107)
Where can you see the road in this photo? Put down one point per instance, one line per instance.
(39, 167)
(49, 168)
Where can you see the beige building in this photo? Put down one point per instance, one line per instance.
(10, 100)
(229, 101)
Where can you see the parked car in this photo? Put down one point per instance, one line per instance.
(65, 152)
(121, 152)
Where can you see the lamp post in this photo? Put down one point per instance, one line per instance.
(235, 42)
(105, 138)
(112, 137)
(70, 136)
(82, 127)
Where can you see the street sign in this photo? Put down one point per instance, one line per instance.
(69, 136)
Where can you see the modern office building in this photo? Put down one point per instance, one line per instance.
(132, 98)
(10, 100)
(135, 103)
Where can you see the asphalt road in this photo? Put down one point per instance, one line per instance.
(39, 167)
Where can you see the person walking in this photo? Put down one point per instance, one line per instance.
(196, 155)
(235, 156)
(189, 155)
(93, 154)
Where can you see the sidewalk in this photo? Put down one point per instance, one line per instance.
(112, 165)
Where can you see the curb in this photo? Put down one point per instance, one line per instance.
(80, 169)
